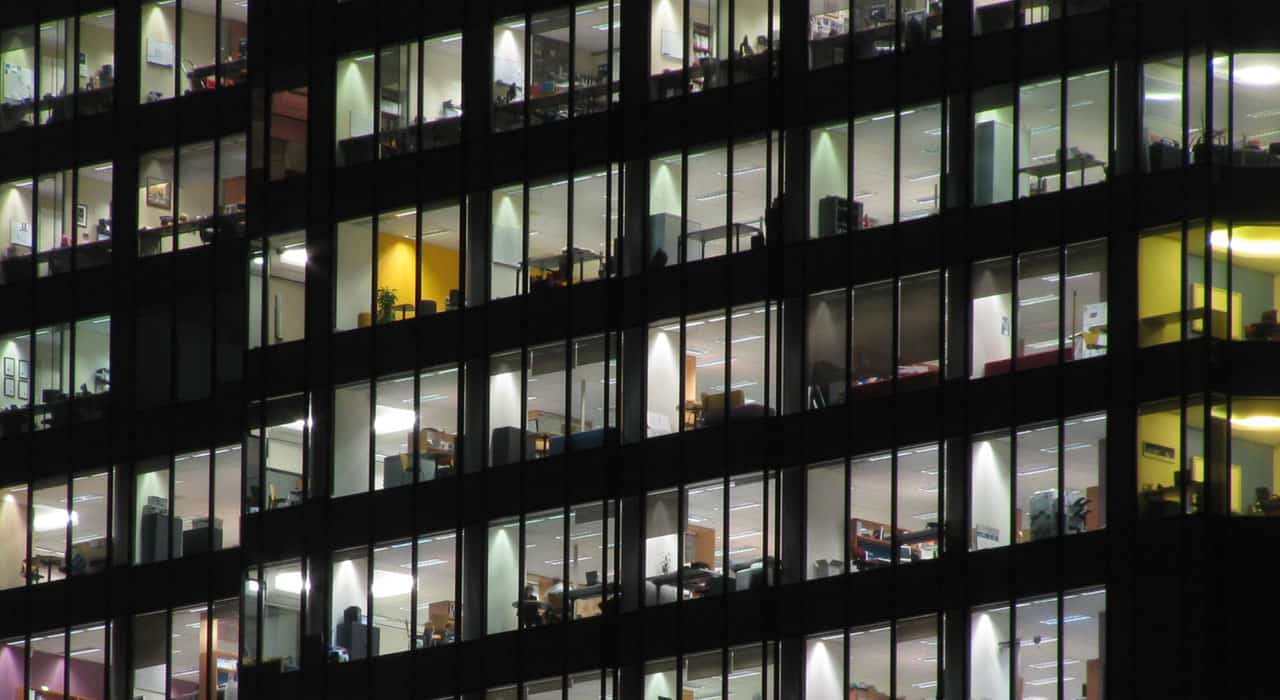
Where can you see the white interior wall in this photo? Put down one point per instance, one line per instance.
(663, 381)
(988, 659)
(444, 78)
(825, 508)
(354, 273)
(13, 538)
(824, 669)
(991, 492)
(350, 442)
(503, 569)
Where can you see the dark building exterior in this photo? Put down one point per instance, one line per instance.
(638, 349)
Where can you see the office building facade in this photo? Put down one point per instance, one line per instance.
(639, 349)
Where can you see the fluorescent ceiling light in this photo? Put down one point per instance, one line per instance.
(603, 26)
(391, 583)
(1066, 619)
(362, 59)
(451, 39)
(48, 519)
(1257, 76)
(922, 178)
(406, 212)
(296, 257)
(290, 582)
(102, 168)
(1219, 238)
(1257, 422)
(1036, 470)
(392, 420)
(81, 652)
(715, 195)
(1163, 96)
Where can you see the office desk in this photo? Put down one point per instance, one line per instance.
(694, 580)
(553, 264)
(150, 238)
(732, 235)
(86, 254)
(1167, 500)
(233, 72)
(1082, 162)
(60, 107)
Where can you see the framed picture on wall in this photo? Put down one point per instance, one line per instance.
(24, 370)
(8, 387)
(24, 391)
(82, 216)
(158, 193)
(9, 366)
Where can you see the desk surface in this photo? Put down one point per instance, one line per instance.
(1080, 162)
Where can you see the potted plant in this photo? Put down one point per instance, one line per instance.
(386, 304)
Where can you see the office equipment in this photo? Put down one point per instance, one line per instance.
(355, 635)
(505, 446)
(714, 409)
(992, 156)
(837, 216)
(203, 533)
(156, 530)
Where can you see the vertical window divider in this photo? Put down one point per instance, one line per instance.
(368, 598)
(1014, 521)
(413, 590)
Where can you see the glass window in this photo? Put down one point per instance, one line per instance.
(14, 515)
(992, 318)
(1161, 284)
(17, 216)
(509, 53)
(825, 348)
(349, 598)
(192, 529)
(829, 211)
(662, 570)
(664, 409)
(549, 262)
(439, 259)
(593, 376)
(92, 239)
(596, 225)
(993, 145)
(543, 599)
(1040, 137)
(398, 117)
(1254, 115)
(437, 571)
(1036, 486)
(354, 275)
(279, 274)
(666, 225)
(89, 528)
(355, 124)
(1254, 426)
(701, 566)
(226, 497)
(592, 581)
(825, 509)
(509, 441)
(154, 525)
(391, 610)
(989, 655)
(1037, 313)
(824, 657)
(394, 425)
(660, 679)
(1088, 119)
(505, 597)
(1084, 443)
(546, 417)
(507, 243)
(990, 495)
(828, 32)
(1162, 123)
(920, 329)
(96, 72)
(288, 128)
(442, 90)
(274, 466)
(437, 423)
(176, 194)
(920, 161)
(874, 140)
(872, 350)
(281, 587)
(150, 655)
(351, 440)
(50, 519)
(1086, 300)
(213, 42)
(1171, 457)
(597, 55)
(87, 649)
(18, 50)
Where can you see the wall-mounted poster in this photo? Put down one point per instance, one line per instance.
(157, 193)
(9, 366)
(159, 53)
(8, 387)
(20, 233)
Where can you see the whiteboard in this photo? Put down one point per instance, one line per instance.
(159, 53)
(508, 71)
(19, 83)
(20, 233)
(672, 45)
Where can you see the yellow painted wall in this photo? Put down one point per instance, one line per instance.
(395, 270)
(1159, 266)
(1163, 428)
